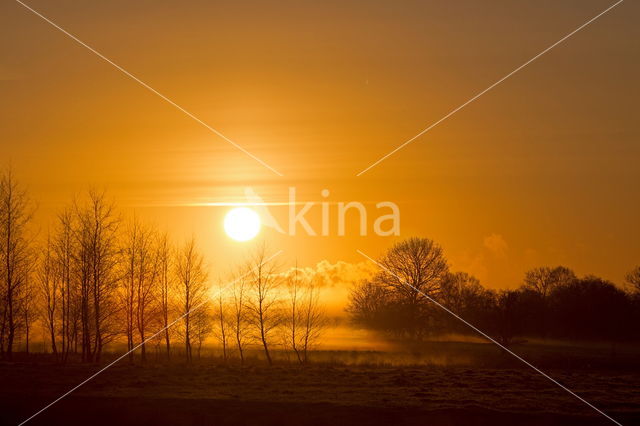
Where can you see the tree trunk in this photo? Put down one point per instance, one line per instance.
(240, 350)
(187, 340)
(264, 344)
(167, 341)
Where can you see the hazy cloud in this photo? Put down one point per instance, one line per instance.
(497, 245)
(339, 274)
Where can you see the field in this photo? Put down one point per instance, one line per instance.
(338, 388)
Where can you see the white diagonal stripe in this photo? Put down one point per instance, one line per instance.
(146, 86)
(487, 89)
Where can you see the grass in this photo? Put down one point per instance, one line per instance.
(436, 380)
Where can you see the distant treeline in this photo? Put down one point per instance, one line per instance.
(551, 302)
(96, 279)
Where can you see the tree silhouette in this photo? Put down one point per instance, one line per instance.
(397, 298)
(192, 281)
(15, 257)
(544, 280)
(633, 279)
(263, 302)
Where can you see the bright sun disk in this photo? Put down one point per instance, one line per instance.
(242, 223)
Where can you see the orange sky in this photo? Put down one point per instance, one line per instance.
(541, 170)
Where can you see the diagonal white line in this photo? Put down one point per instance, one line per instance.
(146, 86)
(486, 336)
(142, 343)
(488, 88)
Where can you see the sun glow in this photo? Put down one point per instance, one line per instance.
(242, 224)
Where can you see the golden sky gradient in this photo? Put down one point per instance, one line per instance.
(541, 170)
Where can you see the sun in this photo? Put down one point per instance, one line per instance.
(242, 223)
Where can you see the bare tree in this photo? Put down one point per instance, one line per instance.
(414, 267)
(28, 308)
(97, 261)
(238, 322)
(128, 292)
(148, 273)
(64, 250)
(293, 317)
(464, 295)
(222, 317)
(368, 301)
(164, 265)
(314, 319)
(264, 301)
(460, 291)
(202, 324)
(633, 279)
(192, 282)
(82, 265)
(15, 256)
(394, 299)
(48, 284)
(305, 319)
(544, 280)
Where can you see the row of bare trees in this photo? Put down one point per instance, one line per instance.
(76, 279)
(271, 309)
(94, 279)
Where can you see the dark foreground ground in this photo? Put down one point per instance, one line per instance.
(207, 394)
(435, 384)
